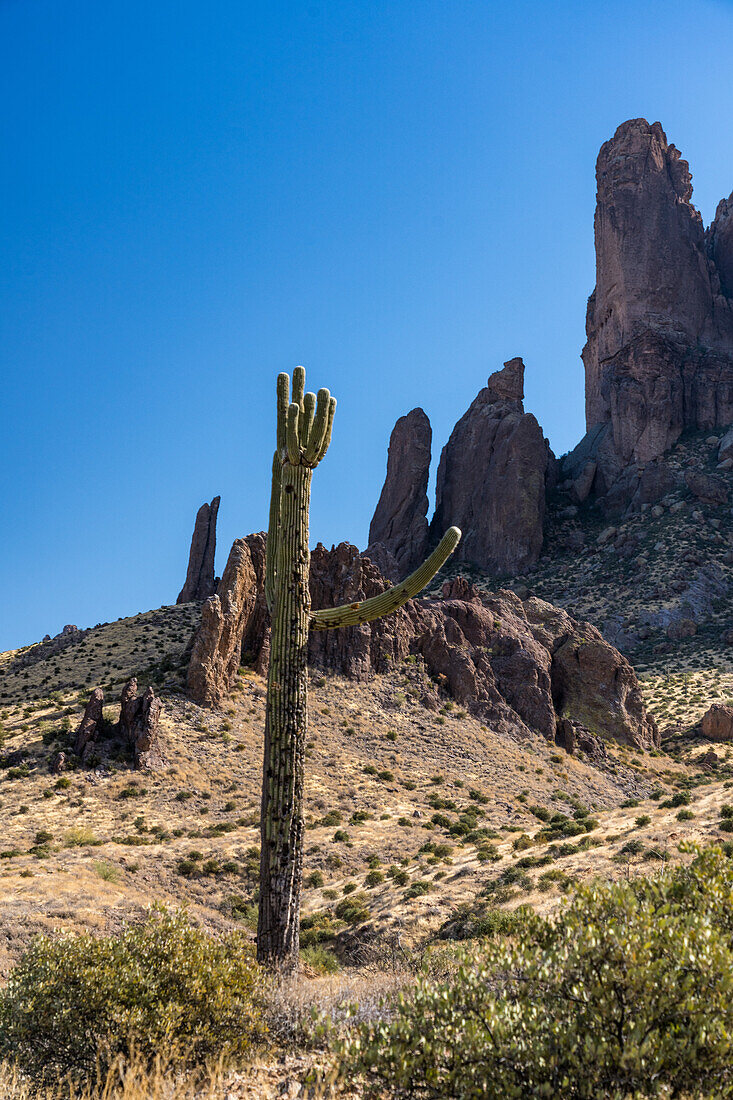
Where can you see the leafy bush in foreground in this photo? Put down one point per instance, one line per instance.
(159, 986)
(627, 992)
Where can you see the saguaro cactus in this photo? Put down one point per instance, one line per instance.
(304, 425)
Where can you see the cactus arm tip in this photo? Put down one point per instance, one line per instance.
(354, 614)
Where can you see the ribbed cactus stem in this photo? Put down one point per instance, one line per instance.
(352, 614)
(281, 867)
(303, 434)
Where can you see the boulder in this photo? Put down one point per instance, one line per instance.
(199, 584)
(492, 478)
(140, 725)
(680, 629)
(400, 522)
(717, 723)
(707, 487)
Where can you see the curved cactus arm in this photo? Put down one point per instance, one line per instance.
(352, 614)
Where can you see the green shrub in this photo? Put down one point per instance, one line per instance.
(353, 909)
(158, 985)
(627, 992)
(320, 959)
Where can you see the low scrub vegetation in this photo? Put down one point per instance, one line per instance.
(81, 1000)
(628, 992)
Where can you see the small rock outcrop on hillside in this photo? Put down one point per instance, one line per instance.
(199, 583)
(231, 620)
(140, 725)
(400, 522)
(717, 723)
(521, 666)
(88, 730)
(659, 352)
(492, 478)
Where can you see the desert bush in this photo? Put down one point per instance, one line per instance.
(159, 985)
(627, 992)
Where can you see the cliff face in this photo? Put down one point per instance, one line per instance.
(492, 478)
(400, 523)
(659, 351)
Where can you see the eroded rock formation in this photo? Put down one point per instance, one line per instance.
(659, 351)
(232, 619)
(492, 478)
(400, 523)
(140, 725)
(199, 583)
(521, 666)
(88, 730)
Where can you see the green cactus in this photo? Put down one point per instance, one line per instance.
(303, 434)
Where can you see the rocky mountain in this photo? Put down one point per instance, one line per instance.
(659, 352)
(658, 365)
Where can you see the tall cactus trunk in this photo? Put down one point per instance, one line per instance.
(303, 435)
(286, 723)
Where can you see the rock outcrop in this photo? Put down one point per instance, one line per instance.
(231, 620)
(659, 351)
(492, 478)
(521, 666)
(88, 730)
(400, 524)
(199, 583)
(139, 725)
(717, 723)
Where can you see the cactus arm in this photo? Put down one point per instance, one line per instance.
(327, 434)
(298, 386)
(306, 418)
(283, 400)
(293, 442)
(352, 614)
(314, 448)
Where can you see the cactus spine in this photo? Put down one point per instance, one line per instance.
(304, 425)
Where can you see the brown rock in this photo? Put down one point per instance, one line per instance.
(492, 478)
(140, 725)
(400, 522)
(519, 665)
(706, 487)
(227, 619)
(89, 727)
(592, 683)
(719, 239)
(58, 763)
(659, 353)
(199, 583)
(717, 723)
(679, 629)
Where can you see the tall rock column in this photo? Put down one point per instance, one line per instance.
(492, 477)
(400, 523)
(200, 575)
(659, 351)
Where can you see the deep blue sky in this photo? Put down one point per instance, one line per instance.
(398, 194)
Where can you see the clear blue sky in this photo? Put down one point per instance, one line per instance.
(398, 194)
